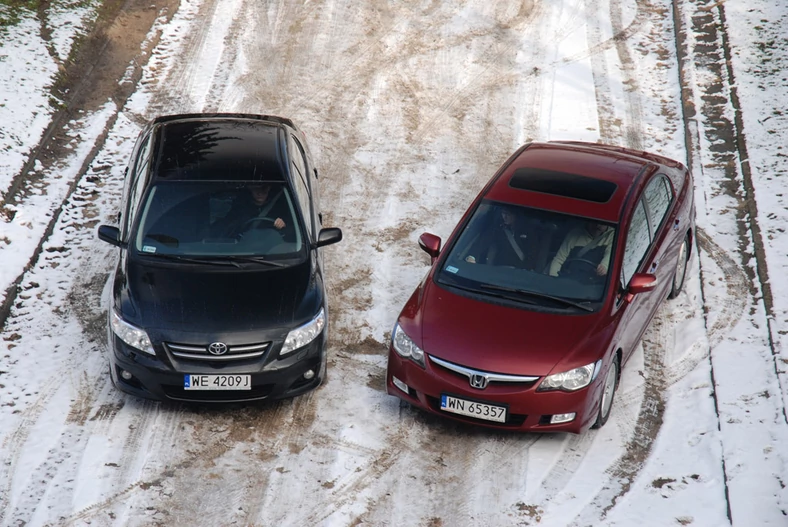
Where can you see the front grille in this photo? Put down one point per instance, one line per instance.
(177, 393)
(193, 352)
(523, 381)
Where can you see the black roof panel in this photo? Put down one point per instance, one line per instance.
(563, 184)
(218, 149)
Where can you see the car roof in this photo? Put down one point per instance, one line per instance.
(223, 147)
(584, 179)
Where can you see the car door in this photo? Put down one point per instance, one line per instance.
(658, 197)
(648, 248)
(634, 308)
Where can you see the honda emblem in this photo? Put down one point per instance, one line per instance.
(479, 381)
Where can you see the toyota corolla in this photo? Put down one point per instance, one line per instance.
(218, 291)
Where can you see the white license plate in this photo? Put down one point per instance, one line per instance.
(488, 412)
(217, 382)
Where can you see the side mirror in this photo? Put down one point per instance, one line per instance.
(642, 283)
(111, 235)
(328, 236)
(431, 245)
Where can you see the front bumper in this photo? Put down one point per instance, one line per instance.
(527, 409)
(161, 378)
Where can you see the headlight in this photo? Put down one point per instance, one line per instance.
(131, 335)
(571, 380)
(300, 337)
(405, 347)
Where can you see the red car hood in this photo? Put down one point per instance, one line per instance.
(501, 339)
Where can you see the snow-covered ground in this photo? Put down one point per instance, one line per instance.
(409, 108)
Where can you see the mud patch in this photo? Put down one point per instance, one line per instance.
(83, 300)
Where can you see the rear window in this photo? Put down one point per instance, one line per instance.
(563, 184)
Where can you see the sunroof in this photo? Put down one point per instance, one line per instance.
(562, 184)
(218, 150)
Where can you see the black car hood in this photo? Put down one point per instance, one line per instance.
(211, 299)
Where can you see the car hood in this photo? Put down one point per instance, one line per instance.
(205, 299)
(494, 337)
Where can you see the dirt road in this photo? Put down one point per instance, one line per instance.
(409, 109)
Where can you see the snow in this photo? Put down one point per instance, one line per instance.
(408, 110)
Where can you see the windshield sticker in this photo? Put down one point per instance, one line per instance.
(452, 269)
(148, 249)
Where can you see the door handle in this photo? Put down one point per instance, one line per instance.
(676, 225)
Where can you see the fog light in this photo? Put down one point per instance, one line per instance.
(562, 418)
(309, 374)
(399, 384)
(126, 375)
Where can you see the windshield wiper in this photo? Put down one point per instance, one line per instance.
(525, 292)
(187, 259)
(473, 290)
(252, 259)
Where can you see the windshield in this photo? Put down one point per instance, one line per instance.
(213, 219)
(531, 255)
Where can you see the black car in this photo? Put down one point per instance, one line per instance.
(218, 292)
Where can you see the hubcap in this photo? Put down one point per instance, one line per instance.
(610, 387)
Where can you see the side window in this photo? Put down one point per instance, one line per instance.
(297, 156)
(658, 197)
(137, 184)
(298, 168)
(638, 241)
(310, 178)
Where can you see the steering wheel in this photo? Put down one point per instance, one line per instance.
(584, 270)
(585, 263)
(256, 223)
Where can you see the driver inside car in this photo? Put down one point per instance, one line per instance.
(258, 205)
(590, 244)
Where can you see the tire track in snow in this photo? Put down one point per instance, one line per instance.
(661, 376)
(46, 310)
(620, 476)
(348, 491)
(56, 307)
(613, 131)
(177, 86)
(14, 443)
(626, 129)
(34, 301)
(609, 123)
(621, 35)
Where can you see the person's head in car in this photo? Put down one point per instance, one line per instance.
(595, 229)
(260, 193)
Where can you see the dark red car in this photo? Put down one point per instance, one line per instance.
(545, 287)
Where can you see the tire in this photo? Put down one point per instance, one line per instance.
(323, 373)
(608, 395)
(680, 273)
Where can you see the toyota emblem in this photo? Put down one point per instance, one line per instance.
(479, 381)
(217, 348)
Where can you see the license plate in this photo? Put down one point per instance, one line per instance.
(217, 382)
(488, 412)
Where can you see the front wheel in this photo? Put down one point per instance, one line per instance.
(608, 394)
(681, 269)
